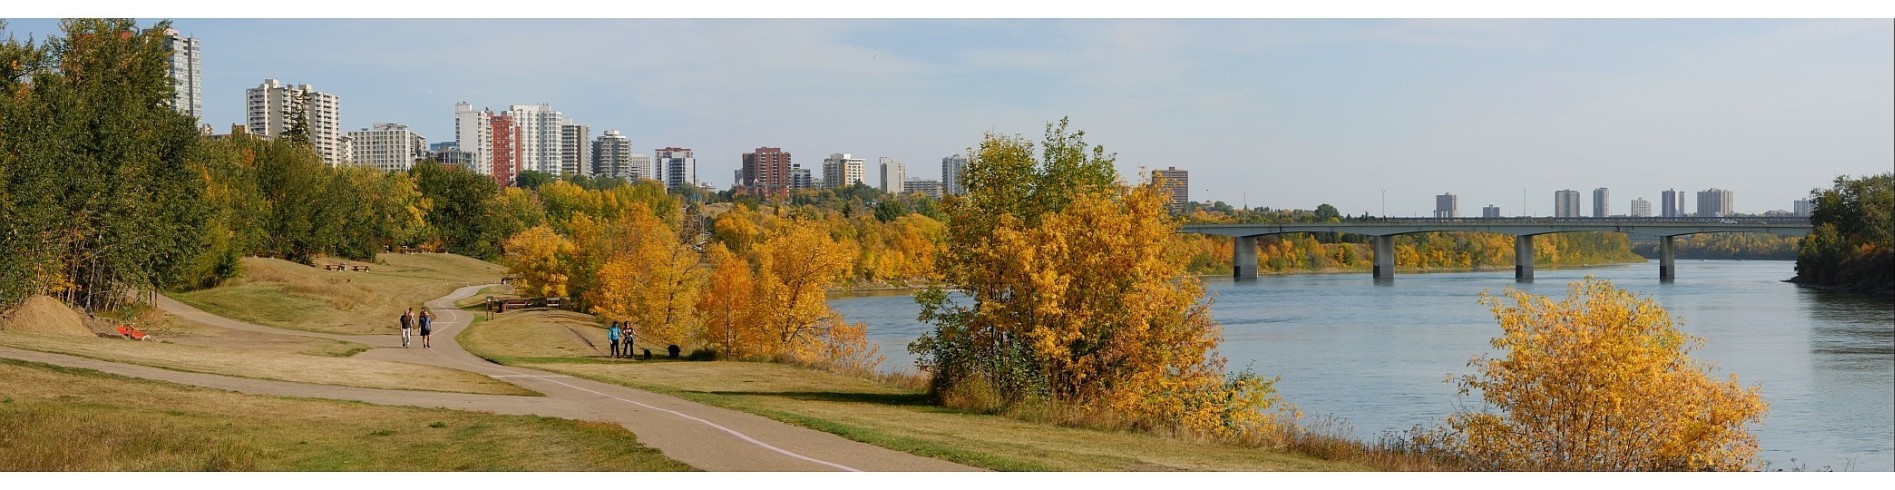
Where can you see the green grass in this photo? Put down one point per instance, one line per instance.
(62, 419)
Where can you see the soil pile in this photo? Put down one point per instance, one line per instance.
(45, 315)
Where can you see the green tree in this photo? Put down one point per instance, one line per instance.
(1851, 245)
(533, 179)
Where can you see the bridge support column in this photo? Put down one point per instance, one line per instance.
(1244, 258)
(1523, 258)
(1667, 263)
(1385, 257)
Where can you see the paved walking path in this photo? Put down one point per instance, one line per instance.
(704, 437)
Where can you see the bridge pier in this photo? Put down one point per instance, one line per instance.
(1523, 258)
(1667, 263)
(1384, 257)
(1244, 258)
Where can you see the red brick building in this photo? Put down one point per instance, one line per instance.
(506, 149)
(766, 173)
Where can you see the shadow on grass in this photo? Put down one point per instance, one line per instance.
(892, 399)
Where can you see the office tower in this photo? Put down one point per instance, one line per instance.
(187, 77)
(842, 170)
(389, 147)
(1566, 203)
(540, 136)
(575, 149)
(1491, 211)
(800, 178)
(1714, 202)
(1641, 208)
(1802, 207)
(506, 149)
(952, 166)
(612, 156)
(677, 166)
(894, 176)
(474, 131)
(1671, 204)
(322, 115)
(1174, 183)
(1447, 206)
(1601, 203)
(766, 172)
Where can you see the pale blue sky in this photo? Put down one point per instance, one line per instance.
(1281, 113)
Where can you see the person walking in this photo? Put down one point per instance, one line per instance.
(612, 334)
(407, 321)
(426, 319)
(627, 334)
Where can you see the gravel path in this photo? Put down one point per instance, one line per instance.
(705, 437)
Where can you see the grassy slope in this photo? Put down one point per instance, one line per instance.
(884, 415)
(290, 295)
(58, 419)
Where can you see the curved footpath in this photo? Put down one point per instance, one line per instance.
(705, 437)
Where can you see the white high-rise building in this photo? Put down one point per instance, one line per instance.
(575, 149)
(266, 104)
(612, 156)
(894, 176)
(389, 147)
(952, 166)
(474, 131)
(639, 166)
(842, 170)
(677, 166)
(187, 79)
(540, 136)
(1641, 208)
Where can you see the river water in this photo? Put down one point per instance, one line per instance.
(1376, 355)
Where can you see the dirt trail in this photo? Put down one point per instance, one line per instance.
(704, 437)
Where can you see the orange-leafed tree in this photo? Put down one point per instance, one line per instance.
(728, 304)
(1600, 381)
(537, 257)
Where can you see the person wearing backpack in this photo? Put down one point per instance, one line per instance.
(426, 319)
(612, 334)
(407, 320)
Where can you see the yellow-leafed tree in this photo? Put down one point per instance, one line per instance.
(537, 257)
(1600, 381)
(795, 263)
(654, 285)
(728, 305)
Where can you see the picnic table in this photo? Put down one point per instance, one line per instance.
(359, 268)
(334, 267)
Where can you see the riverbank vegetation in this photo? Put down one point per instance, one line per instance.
(1853, 244)
(1727, 246)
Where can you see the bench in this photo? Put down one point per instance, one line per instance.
(334, 267)
(132, 333)
(359, 268)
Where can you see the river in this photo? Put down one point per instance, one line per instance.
(1377, 355)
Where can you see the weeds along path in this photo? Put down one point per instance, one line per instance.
(704, 437)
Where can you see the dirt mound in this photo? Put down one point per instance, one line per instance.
(45, 315)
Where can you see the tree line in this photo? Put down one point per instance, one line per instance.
(1851, 246)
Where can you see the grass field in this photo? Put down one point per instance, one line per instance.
(289, 295)
(59, 419)
(885, 415)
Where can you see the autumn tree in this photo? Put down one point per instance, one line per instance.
(537, 258)
(728, 305)
(653, 283)
(1599, 381)
(795, 263)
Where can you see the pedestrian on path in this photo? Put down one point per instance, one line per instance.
(426, 320)
(407, 321)
(628, 341)
(612, 334)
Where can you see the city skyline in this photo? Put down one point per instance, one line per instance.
(1299, 112)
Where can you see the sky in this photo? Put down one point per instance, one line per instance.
(1372, 116)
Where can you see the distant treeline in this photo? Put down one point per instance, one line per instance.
(1441, 251)
(1726, 246)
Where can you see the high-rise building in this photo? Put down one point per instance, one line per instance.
(766, 172)
(677, 166)
(1641, 208)
(540, 136)
(187, 78)
(952, 166)
(932, 188)
(474, 131)
(1714, 202)
(640, 167)
(1671, 203)
(1566, 203)
(1802, 207)
(1491, 211)
(1447, 206)
(894, 176)
(612, 156)
(1176, 184)
(450, 153)
(506, 149)
(389, 147)
(800, 178)
(1601, 203)
(266, 106)
(575, 149)
(843, 170)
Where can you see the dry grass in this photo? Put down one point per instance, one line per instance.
(897, 415)
(268, 365)
(58, 419)
(289, 295)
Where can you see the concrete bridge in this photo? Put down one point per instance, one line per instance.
(1523, 229)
